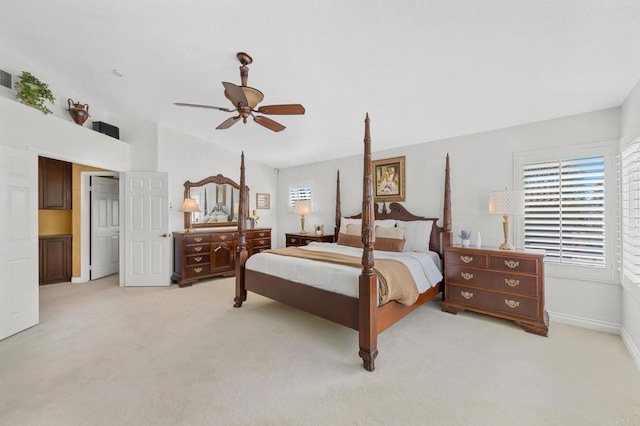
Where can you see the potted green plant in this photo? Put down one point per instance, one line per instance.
(33, 92)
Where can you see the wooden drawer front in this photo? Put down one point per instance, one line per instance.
(500, 281)
(197, 259)
(196, 271)
(261, 234)
(197, 239)
(226, 237)
(304, 241)
(197, 249)
(468, 259)
(294, 241)
(514, 264)
(261, 243)
(495, 301)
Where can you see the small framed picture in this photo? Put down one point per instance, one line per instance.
(389, 179)
(263, 201)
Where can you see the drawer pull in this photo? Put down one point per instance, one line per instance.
(466, 294)
(198, 259)
(466, 259)
(466, 275)
(293, 240)
(262, 234)
(198, 248)
(197, 239)
(198, 270)
(512, 263)
(260, 242)
(223, 237)
(511, 282)
(511, 303)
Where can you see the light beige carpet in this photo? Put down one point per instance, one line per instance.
(105, 355)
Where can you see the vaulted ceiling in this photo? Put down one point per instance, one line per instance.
(423, 69)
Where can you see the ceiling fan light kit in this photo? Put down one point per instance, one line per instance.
(245, 99)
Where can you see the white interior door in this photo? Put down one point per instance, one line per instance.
(105, 227)
(19, 307)
(145, 222)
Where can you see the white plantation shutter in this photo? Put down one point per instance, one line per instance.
(299, 192)
(630, 183)
(565, 210)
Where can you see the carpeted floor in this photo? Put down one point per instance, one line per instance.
(105, 355)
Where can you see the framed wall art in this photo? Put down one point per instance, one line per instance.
(263, 201)
(389, 179)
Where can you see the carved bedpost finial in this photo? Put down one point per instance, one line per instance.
(446, 217)
(242, 254)
(368, 209)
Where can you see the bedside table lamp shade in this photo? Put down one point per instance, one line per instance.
(302, 207)
(189, 206)
(506, 203)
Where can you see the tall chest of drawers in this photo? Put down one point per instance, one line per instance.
(206, 254)
(506, 284)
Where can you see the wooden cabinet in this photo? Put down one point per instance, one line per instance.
(54, 258)
(296, 239)
(54, 184)
(206, 254)
(503, 283)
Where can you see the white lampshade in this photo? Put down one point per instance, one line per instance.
(189, 206)
(303, 207)
(506, 202)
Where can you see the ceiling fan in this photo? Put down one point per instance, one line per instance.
(245, 99)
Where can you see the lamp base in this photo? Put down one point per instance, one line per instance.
(189, 230)
(506, 246)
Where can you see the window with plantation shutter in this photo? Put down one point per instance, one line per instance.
(299, 192)
(565, 210)
(630, 188)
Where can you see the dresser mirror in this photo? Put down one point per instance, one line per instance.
(218, 198)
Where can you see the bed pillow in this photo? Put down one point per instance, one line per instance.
(346, 221)
(349, 240)
(353, 229)
(418, 234)
(396, 233)
(389, 244)
(385, 223)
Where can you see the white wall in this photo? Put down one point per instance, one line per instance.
(480, 163)
(630, 123)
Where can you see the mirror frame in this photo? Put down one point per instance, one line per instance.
(218, 180)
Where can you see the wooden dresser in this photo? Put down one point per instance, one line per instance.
(205, 254)
(297, 239)
(503, 283)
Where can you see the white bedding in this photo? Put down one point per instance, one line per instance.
(425, 267)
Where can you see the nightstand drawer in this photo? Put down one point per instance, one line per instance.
(294, 241)
(513, 264)
(197, 259)
(494, 301)
(468, 259)
(526, 285)
(196, 239)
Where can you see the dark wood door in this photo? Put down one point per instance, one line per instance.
(54, 184)
(55, 259)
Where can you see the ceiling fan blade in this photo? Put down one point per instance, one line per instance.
(203, 106)
(228, 123)
(236, 94)
(289, 109)
(269, 123)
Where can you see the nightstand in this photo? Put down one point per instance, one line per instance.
(506, 284)
(296, 239)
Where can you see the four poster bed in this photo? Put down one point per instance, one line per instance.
(364, 307)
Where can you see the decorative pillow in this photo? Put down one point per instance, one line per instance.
(397, 233)
(353, 229)
(346, 221)
(389, 244)
(385, 223)
(418, 234)
(349, 240)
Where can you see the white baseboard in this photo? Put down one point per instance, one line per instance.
(78, 280)
(631, 347)
(591, 324)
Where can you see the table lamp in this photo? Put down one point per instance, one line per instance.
(189, 206)
(506, 203)
(302, 207)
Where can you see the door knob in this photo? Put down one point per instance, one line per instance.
(165, 235)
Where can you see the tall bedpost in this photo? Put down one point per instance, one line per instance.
(242, 255)
(368, 290)
(446, 217)
(336, 230)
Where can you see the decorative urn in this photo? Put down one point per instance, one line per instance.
(78, 112)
